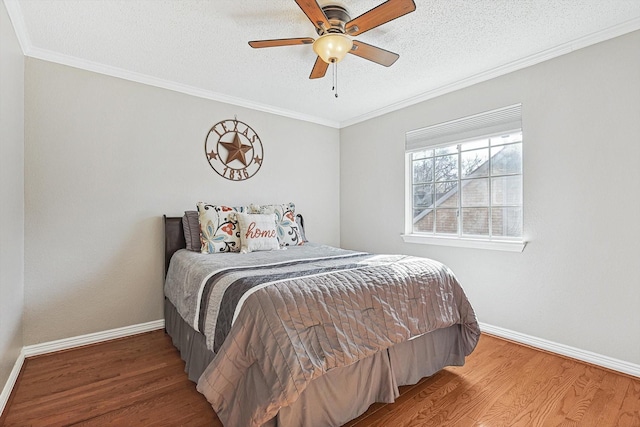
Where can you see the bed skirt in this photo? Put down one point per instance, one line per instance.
(342, 394)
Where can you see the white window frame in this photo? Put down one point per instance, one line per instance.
(484, 125)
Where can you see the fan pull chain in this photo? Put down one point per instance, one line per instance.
(335, 79)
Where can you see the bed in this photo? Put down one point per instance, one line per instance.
(311, 335)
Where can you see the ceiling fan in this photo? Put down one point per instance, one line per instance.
(335, 28)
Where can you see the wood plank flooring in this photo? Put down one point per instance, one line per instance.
(140, 380)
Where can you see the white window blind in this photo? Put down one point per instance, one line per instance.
(501, 120)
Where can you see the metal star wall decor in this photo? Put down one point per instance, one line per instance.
(234, 150)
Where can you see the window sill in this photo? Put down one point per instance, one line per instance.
(497, 245)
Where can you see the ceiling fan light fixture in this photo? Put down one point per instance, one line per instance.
(332, 47)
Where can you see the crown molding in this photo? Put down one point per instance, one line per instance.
(17, 20)
(15, 14)
(591, 39)
(133, 76)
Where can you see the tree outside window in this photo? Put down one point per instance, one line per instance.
(469, 189)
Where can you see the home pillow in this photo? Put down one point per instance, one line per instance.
(191, 227)
(257, 232)
(286, 226)
(219, 232)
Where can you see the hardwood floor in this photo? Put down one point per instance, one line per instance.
(140, 381)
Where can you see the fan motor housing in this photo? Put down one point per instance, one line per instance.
(337, 17)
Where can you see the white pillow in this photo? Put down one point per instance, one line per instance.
(286, 226)
(257, 232)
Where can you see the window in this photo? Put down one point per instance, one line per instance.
(464, 182)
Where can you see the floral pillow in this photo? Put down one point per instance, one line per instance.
(286, 226)
(219, 229)
(257, 232)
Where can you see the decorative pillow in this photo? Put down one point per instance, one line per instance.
(191, 227)
(286, 226)
(218, 231)
(257, 232)
(300, 224)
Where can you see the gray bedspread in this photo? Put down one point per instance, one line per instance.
(278, 320)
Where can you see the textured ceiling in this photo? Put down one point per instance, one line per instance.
(200, 46)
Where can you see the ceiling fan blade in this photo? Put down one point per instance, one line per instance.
(280, 42)
(319, 69)
(373, 53)
(387, 11)
(314, 13)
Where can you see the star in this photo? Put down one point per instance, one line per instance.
(258, 160)
(212, 155)
(236, 150)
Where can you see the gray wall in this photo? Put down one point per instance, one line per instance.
(578, 280)
(11, 196)
(105, 158)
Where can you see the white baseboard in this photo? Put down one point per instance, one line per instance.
(11, 382)
(565, 350)
(68, 343)
(79, 341)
